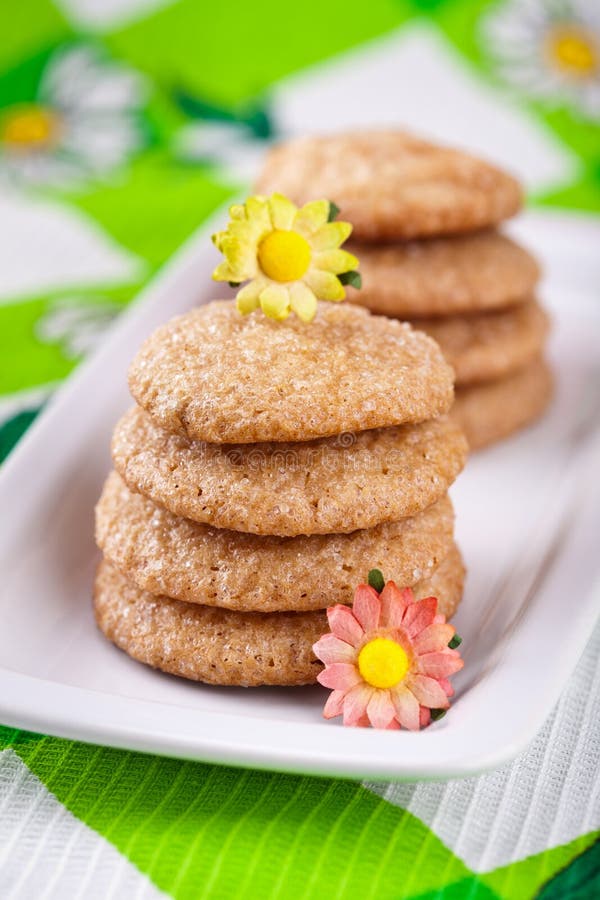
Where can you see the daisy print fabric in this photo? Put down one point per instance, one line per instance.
(76, 323)
(81, 121)
(549, 49)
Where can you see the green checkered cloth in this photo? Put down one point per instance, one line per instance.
(123, 124)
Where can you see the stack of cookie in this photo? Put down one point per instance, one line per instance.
(265, 470)
(424, 216)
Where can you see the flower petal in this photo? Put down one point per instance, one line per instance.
(311, 217)
(366, 607)
(393, 605)
(330, 649)
(446, 687)
(381, 710)
(325, 285)
(340, 677)
(424, 716)
(246, 305)
(336, 261)
(224, 272)
(440, 664)
(435, 637)
(275, 301)
(283, 211)
(247, 297)
(356, 702)
(257, 214)
(427, 691)
(334, 705)
(363, 722)
(303, 301)
(344, 624)
(330, 236)
(419, 615)
(406, 706)
(240, 254)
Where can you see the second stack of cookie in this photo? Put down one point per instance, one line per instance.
(264, 471)
(425, 220)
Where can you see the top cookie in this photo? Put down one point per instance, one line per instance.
(444, 276)
(391, 185)
(220, 377)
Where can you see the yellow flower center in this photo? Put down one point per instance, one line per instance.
(284, 255)
(574, 50)
(383, 663)
(29, 126)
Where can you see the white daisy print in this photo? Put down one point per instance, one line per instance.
(227, 145)
(82, 123)
(549, 49)
(76, 324)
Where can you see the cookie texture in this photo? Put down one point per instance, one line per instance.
(438, 277)
(392, 185)
(219, 646)
(337, 484)
(493, 410)
(164, 554)
(486, 346)
(221, 377)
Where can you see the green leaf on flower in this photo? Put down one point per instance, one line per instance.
(376, 580)
(437, 714)
(455, 642)
(334, 211)
(234, 284)
(352, 278)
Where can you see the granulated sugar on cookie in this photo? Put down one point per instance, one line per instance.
(215, 375)
(219, 646)
(165, 554)
(336, 484)
(486, 346)
(443, 276)
(392, 185)
(493, 410)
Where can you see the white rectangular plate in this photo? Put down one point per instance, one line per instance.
(528, 522)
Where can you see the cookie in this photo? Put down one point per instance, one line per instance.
(215, 375)
(493, 410)
(444, 276)
(392, 185)
(219, 646)
(164, 554)
(486, 346)
(329, 485)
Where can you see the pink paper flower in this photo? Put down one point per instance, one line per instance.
(387, 659)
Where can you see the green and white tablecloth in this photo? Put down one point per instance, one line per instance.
(123, 124)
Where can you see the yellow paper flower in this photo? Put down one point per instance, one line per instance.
(289, 256)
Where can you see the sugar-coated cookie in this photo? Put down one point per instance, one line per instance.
(442, 276)
(219, 646)
(492, 410)
(337, 484)
(486, 346)
(392, 185)
(218, 376)
(164, 554)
